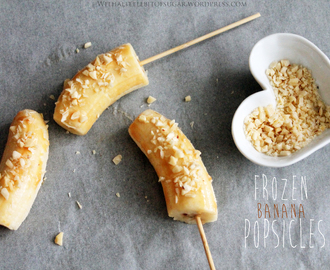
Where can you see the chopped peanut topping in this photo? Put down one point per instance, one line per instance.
(24, 138)
(95, 77)
(173, 161)
(16, 155)
(9, 164)
(4, 192)
(299, 116)
(143, 118)
(185, 168)
(75, 115)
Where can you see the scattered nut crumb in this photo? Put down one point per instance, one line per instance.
(77, 153)
(79, 205)
(118, 194)
(52, 97)
(146, 197)
(187, 99)
(117, 159)
(59, 239)
(74, 170)
(77, 50)
(87, 45)
(151, 100)
(67, 132)
(192, 124)
(5, 193)
(93, 152)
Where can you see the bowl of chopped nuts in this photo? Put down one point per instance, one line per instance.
(290, 119)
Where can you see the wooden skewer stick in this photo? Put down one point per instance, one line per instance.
(206, 246)
(192, 42)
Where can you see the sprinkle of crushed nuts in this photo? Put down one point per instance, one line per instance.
(142, 118)
(118, 194)
(23, 138)
(184, 162)
(4, 192)
(9, 164)
(16, 155)
(299, 116)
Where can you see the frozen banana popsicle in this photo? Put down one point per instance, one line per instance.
(186, 184)
(22, 167)
(109, 77)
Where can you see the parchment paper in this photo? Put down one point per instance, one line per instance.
(38, 42)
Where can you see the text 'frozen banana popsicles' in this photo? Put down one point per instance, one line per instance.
(186, 184)
(22, 167)
(109, 77)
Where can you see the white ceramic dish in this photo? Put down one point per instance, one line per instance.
(273, 48)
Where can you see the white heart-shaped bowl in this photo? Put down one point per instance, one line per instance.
(297, 50)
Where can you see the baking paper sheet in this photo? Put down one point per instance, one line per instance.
(38, 52)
